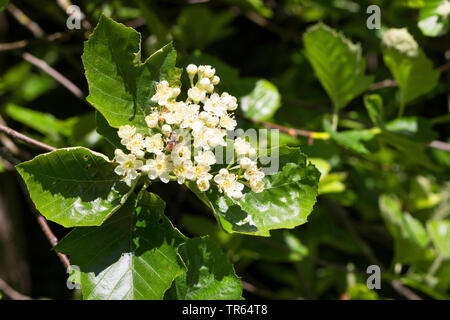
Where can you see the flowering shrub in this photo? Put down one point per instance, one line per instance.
(206, 115)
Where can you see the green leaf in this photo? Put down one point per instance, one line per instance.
(108, 132)
(3, 4)
(409, 235)
(440, 235)
(73, 186)
(337, 62)
(374, 106)
(202, 32)
(209, 275)
(120, 85)
(133, 255)
(44, 123)
(288, 198)
(262, 103)
(414, 73)
(354, 140)
(256, 5)
(434, 18)
(414, 128)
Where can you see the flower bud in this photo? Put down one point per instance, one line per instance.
(191, 69)
(166, 129)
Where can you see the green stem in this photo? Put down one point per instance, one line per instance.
(435, 266)
(335, 119)
(127, 195)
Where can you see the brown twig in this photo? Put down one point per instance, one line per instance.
(24, 20)
(54, 74)
(24, 43)
(66, 5)
(404, 291)
(311, 135)
(10, 292)
(13, 133)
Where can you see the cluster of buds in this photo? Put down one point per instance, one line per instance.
(162, 154)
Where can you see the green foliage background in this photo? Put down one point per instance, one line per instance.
(305, 65)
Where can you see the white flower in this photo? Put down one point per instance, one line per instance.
(204, 83)
(196, 94)
(212, 121)
(215, 105)
(444, 9)
(183, 171)
(164, 93)
(215, 80)
(241, 146)
(208, 71)
(253, 173)
(201, 172)
(154, 144)
(166, 129)
(136, 145)
(227, 122)
(245, 162)
(180, 154)
(257, 185)
(229, 100)
(201, 138)
(126, 133)
(152, 119)
(203, 185)
(158, 168)
(205, 157)
(401, 40)
(128, 165)
(215, 137)
(191, 69)
(228, 184)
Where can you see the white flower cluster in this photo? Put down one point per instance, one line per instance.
(401, 40)
(206, 116)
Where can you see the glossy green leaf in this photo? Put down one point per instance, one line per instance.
(120, 85)
(262, 103)
(73, 186)
(414, 128)
(45, 123)
(209, 275)
(337, 62)
(108, 132)
(439, 231)
(132, 256)
(434, 17)
(410, 237)
(289, 196)
(374, 106)
(355, 140)
(414, 74)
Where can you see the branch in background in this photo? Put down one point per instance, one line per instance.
(41, 64)
(66, 4)
(18, 135)
(10, 292)
(405, 291)
(387, 83)
(311, 135)
(23, 19)
(24, 43)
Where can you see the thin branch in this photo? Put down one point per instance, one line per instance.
(66, 5)
(24, 43)
(55, 74)
(387, 83)
(13, 133)
(404, 291)
(10, 292)
(441, 145)
(23, 19)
